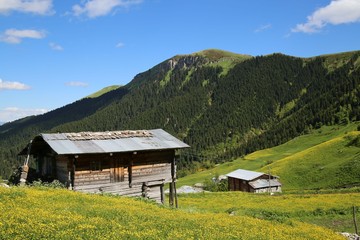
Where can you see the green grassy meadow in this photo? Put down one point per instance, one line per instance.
(313, 168)
(329, 210)
(45, 213)
(305, 162)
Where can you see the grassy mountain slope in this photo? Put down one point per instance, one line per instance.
(103, 91)
(224, 59)
(223, 105)
(325, 158)
(301, 143)
(333, 164)
(30, 213)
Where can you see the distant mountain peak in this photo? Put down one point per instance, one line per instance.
(216, 54)
(207, 56)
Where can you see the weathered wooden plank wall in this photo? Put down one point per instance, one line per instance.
(152, 173)
(121, 188)
(121, 173)
(62, 171)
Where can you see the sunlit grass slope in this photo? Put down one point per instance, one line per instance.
(30, 213)
(332, 164)
(103, 91)
(329, 210)
(217, 54)
(260, 160)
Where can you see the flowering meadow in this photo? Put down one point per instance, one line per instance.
(331, 210)
(45, 213)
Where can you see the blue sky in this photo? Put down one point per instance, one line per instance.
(54, 52)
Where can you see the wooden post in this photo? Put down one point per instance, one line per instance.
(162, 194)
(28, 154)
(130, 176)
(176, 199)
(24, 173)
(171, 196)
(72, 171)
(130, 168)
(70, 187)
(144, 190)
(269, 181)
(69, 167)
(25, 167)
(354, 218)
(173, 185)
(112, 170)
(173, 174)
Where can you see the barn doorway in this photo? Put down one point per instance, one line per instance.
(116, 171)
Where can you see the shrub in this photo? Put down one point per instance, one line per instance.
(53, 184)
(216, 185)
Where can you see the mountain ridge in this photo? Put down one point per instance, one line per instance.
(223, 106)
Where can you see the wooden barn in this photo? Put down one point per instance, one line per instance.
(249, 181)
(131, 163)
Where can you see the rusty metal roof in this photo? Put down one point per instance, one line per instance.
(111, 142)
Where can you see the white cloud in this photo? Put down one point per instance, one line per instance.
(6, 85)
(337, 12)
(55, 46)
(77, 84)
(15, 36)
(12, 113)
(41, 7)
(120, 45)
(263, 28)
(97, 8)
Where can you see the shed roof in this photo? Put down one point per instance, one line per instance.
(108, 142)
(264, 183)
(244, 174)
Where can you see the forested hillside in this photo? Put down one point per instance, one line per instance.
(222, 104)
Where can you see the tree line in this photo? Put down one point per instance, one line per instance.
(259, 103)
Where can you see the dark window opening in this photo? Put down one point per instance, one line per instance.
(95, 166)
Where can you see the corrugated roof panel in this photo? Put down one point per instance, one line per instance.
(149, 143)
(63, 147)
(169, 139)
(110, 146)
(162, 135)
(264, 183)
(244, 174)
(53, 136)
(171, 144)
(160, 140)
(129, 144)
(90, 146)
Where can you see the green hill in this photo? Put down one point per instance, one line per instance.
(224, 105)
(218, 55)
(332, 164)
(323, 159)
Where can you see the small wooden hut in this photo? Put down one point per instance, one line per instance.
(131, 163)
(249, 181)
